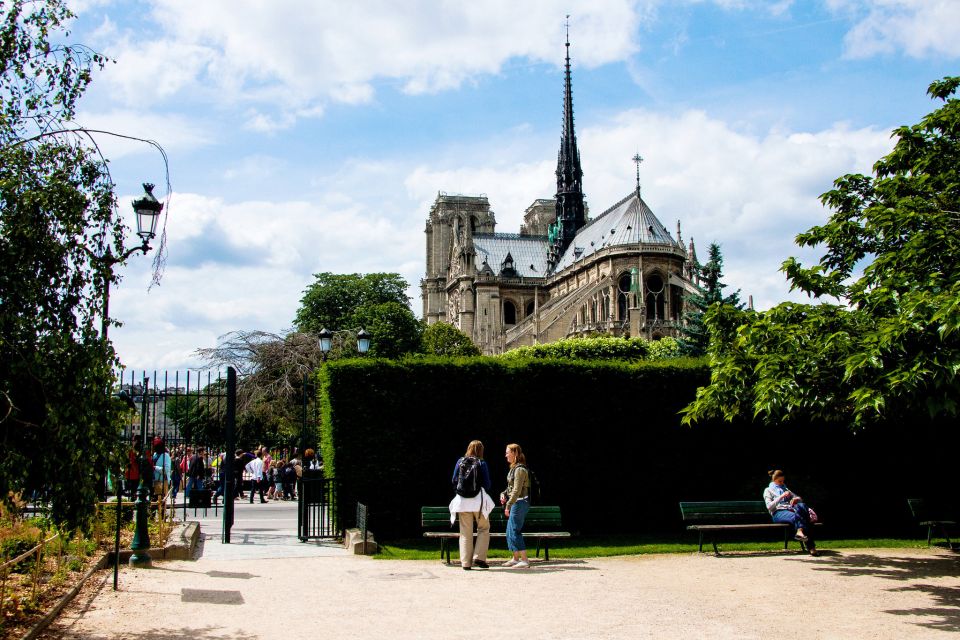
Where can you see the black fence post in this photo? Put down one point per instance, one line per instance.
(226, 467)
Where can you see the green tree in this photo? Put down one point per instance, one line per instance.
(394, 330)
(892, 261)
(443, 339)
(332, 299)
(695, 336)
(57, 212)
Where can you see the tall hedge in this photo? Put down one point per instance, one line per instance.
(606, 442)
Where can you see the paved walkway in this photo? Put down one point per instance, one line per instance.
(270, 586)
(260, 531)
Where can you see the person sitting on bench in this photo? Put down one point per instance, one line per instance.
(785, 506)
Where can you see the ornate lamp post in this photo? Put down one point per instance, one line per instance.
(148, 210)
(326, 341)
(326, 344)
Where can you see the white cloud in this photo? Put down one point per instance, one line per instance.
(254, 52)
(920, 28)
(244, 266)
(171, 131)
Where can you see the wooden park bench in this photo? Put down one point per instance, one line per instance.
(932, 518)
(542, 523)
(731, 515)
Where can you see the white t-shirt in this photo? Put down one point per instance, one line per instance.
(255, 468)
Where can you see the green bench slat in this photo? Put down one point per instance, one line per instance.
(539, 523)
(731, 515)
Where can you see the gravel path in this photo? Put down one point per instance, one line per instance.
(850, 594)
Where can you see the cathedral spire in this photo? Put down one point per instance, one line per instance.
(570, 209)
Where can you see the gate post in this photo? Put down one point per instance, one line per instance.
(226, 467)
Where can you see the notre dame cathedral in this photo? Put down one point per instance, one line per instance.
(620, 273)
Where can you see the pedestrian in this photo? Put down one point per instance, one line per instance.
(240, 461)
(131, 475)
(178, 470)
(786, 506)
(278, 479)
(196, 472)
(161, 469)
(516, 501)
(472, 505)
(255, 468)
(310, 460)
(288, 477)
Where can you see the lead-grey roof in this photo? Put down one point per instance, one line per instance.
(630, 221)
(529, 252)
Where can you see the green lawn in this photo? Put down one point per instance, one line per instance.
(625, 545)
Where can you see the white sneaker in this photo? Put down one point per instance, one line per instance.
(523, 564)
(510, 563)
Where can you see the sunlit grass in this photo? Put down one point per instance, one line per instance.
(594, 546)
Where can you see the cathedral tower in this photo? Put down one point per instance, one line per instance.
(571, 216)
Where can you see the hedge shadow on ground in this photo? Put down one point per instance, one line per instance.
(944, 615)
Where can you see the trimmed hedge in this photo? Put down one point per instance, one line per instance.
(606, 442)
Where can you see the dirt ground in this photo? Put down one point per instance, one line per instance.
(849, 594)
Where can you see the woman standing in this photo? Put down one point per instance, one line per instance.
(472, 505)
(785, 506)
(161, 469)
(516, 501)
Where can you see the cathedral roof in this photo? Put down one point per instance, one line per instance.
(529, 253)
(630, 221)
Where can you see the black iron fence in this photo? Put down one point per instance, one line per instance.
(185, 415)
(317, 511)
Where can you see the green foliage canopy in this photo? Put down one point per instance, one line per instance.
(57, 213)
(599, 348)
(443, 339)
(332, 299)
(393, 329)
(696, 336)
(892, 260)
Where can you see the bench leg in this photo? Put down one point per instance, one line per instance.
(929, 534)
(700, 549)
(538, 547)
(713, 539)
(546, 551)
(786, 539)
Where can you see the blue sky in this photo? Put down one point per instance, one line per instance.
(310, 136)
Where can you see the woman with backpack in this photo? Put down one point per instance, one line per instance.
(516, 501)
(472, 505)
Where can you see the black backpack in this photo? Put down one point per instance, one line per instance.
(468, 477)
(534, 485)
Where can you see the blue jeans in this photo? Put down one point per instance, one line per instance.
(798, 517)
(518, 513)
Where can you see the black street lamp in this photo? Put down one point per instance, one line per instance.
(147, 209)
(326, 341)
(326, 345)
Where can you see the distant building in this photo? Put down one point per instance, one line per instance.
(621, 273)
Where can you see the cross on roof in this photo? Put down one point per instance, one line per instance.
(637, 159)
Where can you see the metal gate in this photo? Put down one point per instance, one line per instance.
(190, 413)
(317, 507)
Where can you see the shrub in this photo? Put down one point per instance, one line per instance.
(599, 348)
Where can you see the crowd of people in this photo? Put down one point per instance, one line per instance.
(271, 474)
